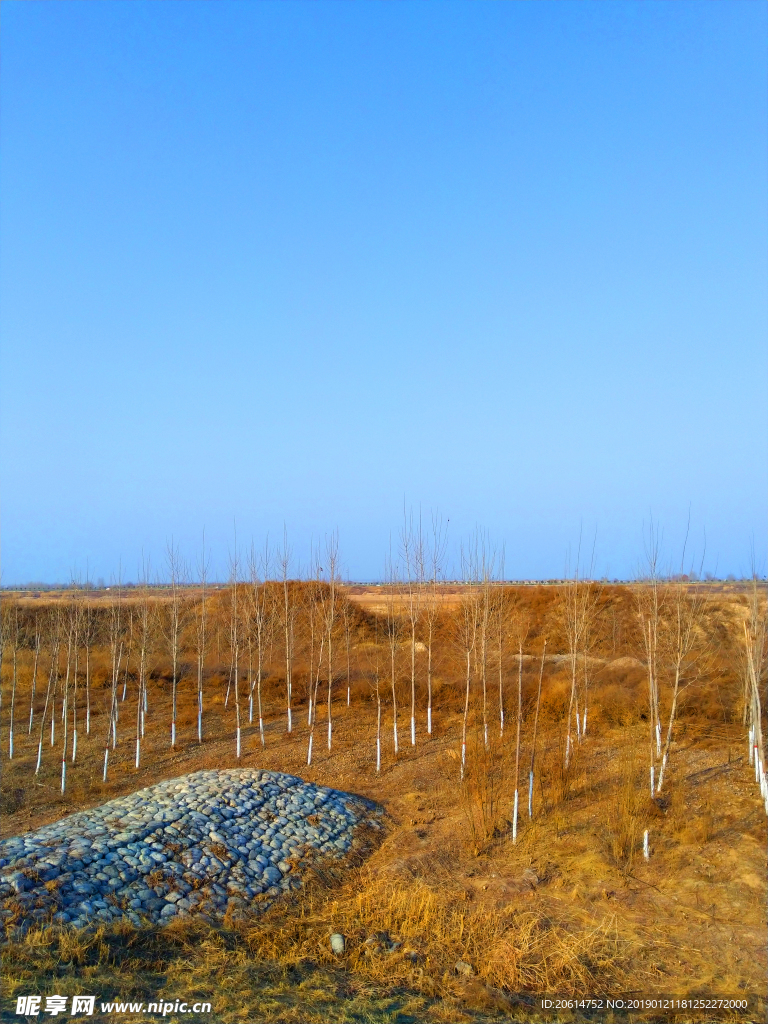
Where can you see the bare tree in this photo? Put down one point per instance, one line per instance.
(201, 637)
(535, 730)
(393, 638)
(261, 617)
(755, 649)
(289, 612)
(517, 740)
(346, 614)
(431, 556)
(128, 649)
(54, 636)
(173, 623)
(578, 604)
(34, 675)
(234, 640)
(329, 613)
(311, 598)
(314, 679)
(373, 658)
(72, 640)
(15, 651)
(486, 560)
(78, 624)
(649, 596)
(116, 642)
(500, 623)
(681, 640)
(145, 617)
(89, 633)
(411, 543)
(465, 633)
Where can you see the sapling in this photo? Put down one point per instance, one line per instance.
(484, 647)
(112, 722)
(34, 677)
(144, 643)
(13, 688)
(74, 692)
(174, 624)
(313, 700)
(128, 654)
(55, 640)
(411, 543)
(430, 557)
(682, 642)
(66, 715)
(288, 619)
(393, 637)
(261, 616)
(466, 626)
(329, 607)
(201, 637)
(535, 729)
(517, 741)
(347, 618)
(500, 630)
(235, 645)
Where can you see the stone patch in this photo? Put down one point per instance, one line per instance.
(205, 844)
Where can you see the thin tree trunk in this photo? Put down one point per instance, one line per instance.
(517, 741)
(74, 703)
(258, 685)
(466, 715)
(34, 681)
(51, 674)
(535, 730)
(570, 710)
(66, 718)
(394, 697)
(88, 689)
(668, 743)
(429, 679)
(13, 693)
(314, 687)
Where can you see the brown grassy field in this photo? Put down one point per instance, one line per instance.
(571, 908)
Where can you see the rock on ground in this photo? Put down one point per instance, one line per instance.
(208, 843)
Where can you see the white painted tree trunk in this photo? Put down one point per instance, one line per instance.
(378, 729)
(530, 794)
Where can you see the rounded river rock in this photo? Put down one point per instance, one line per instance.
(205, 844)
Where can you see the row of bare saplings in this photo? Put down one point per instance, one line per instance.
(261, 617)
(672, 619)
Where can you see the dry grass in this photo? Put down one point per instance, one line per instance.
(626, 811)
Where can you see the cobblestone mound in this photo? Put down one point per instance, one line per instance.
(205, 844)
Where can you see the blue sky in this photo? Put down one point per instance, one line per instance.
(302, 263)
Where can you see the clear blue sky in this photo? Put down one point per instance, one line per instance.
(301, 263)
